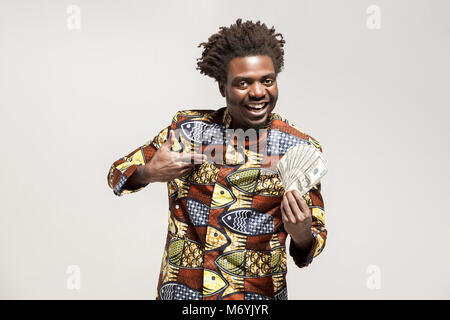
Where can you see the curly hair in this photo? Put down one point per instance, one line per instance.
(239, 40)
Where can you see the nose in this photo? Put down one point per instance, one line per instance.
(256, 90)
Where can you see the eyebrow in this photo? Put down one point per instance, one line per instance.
(269, 75)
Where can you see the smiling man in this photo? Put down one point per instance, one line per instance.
(250, 90)
(229, 216)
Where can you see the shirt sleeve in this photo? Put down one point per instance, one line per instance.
(122, 169)
(315, 203)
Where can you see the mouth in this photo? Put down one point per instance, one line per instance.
(257, 108)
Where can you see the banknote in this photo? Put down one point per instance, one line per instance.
(301, 168)
(312, 175)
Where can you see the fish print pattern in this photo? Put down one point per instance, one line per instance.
(225, 237)
(248, 222)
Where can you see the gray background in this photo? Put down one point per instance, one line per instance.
(74, 101)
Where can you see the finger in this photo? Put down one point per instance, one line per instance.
(303, 205)
(170, 140)
(172, 136)
(294, 206)
(185, 166)
(194, 158)
(287, 208)
(284, 217)
(185, 170)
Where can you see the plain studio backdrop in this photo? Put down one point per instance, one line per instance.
(83, 83)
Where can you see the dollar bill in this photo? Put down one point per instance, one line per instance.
(312, 175)
(301, 168)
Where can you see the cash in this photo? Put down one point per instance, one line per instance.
(301, 168)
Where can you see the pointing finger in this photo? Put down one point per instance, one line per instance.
(193, 158)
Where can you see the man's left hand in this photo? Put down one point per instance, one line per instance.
(296, 217)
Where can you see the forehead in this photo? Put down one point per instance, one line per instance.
(251, 66)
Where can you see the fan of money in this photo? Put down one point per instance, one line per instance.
(301, 168)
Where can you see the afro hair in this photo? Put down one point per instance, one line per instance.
(239, 40)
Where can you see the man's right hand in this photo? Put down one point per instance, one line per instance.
(167, 165)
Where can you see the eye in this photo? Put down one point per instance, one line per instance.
(242, 84)
(268, 81)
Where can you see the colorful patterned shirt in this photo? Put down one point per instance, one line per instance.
(225, 235)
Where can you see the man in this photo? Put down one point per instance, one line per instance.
(229, 216)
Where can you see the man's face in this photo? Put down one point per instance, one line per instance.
(251, 90)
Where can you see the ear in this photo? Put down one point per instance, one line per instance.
(222, 89)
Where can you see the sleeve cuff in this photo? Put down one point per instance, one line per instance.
(118, 189)
(303, 258)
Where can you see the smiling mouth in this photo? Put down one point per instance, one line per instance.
(257, 106)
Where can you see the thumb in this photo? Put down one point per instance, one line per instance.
(170, 140)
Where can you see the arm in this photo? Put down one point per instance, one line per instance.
(304, 251)
(304, 220)
(122, 178)
(153, 162)
(139, 179)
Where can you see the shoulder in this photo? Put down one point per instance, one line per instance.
(281, 123)
(207, 115)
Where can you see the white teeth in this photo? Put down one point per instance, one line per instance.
(256, 106)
